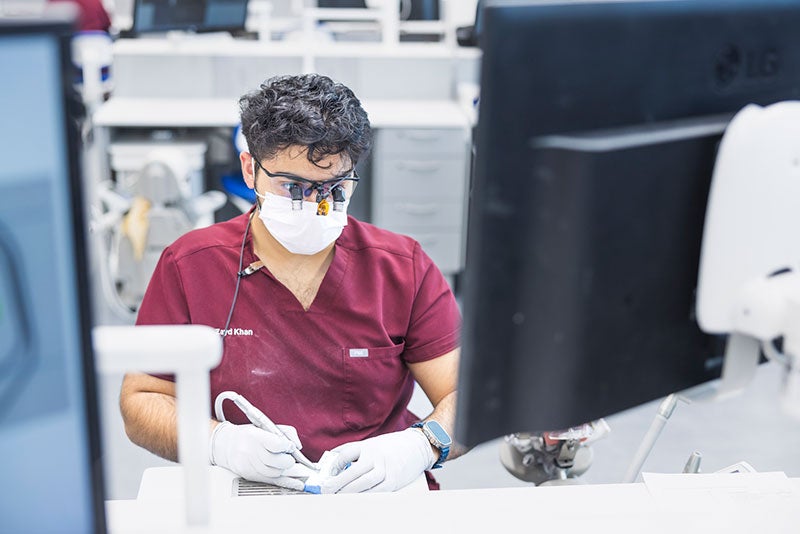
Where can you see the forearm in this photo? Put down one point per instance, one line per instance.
(444, 413)
(151, 422)
(149, 412)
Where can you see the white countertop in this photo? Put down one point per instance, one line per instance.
(223, 45)
(768, 502)
(214, 112)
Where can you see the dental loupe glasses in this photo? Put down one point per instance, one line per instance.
(299, 188)
(297, 193)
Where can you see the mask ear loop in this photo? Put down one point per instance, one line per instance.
(257, 203)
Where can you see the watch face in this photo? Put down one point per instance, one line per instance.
(439, 433)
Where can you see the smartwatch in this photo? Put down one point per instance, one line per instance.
(438, 437)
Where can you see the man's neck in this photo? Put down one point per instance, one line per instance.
(279, 260)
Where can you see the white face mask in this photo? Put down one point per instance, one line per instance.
(301, 231)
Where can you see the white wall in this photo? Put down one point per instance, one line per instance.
(21, 7)
(462, 12)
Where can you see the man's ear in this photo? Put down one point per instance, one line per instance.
(247, 162)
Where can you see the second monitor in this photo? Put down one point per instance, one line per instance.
(191, 15)
(595, 147)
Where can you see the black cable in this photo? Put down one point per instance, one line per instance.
(239, 276)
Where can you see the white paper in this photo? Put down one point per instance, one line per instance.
(729, 502)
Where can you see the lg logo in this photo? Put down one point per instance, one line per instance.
(735, 64)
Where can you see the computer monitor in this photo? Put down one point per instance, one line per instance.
(409, 9)
(470, 35)
(190, 15)
(361, 4)
(595, 143)
(49, 438)
(420, 9)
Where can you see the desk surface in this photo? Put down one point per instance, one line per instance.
(620, 508)
(224, 112)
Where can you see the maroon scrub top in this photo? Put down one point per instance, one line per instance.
(337, 372)
(92, 16)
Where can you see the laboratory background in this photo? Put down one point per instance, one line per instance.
(158, 156)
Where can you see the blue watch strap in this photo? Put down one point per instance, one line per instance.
(444, 450)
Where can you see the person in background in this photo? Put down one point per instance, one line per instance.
(327, 321)
(93, 16)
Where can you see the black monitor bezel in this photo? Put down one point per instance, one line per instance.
(136, 29)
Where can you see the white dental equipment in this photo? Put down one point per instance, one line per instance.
(749, 280)
(552, 458)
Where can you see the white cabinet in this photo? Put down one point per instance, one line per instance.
(419, 189)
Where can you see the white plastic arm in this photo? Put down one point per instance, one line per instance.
(791, 347)
(189, 351)
(665, 410)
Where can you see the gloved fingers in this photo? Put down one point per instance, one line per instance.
(278, 461)
(288, 482)
(273, 442)
(256, 475)
(261, 472)
(358, 469)
(291, 433)
(384, 485)
(345, 455)
(298, 470)
(369, 481)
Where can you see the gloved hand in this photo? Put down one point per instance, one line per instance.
(383, 463)
(256, 454)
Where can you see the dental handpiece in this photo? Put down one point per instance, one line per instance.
(260, 420)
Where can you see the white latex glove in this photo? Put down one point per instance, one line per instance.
(383, 463)
(256, 454)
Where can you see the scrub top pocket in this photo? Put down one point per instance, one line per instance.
(374, 383)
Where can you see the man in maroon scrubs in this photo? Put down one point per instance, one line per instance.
(327, 321)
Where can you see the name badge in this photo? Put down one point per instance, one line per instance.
(359, 353)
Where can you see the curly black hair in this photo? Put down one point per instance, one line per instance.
(310, 110)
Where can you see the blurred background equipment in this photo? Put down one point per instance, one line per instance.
(158, 196)
(752, 206)
(190, 15)
(552, 458)
(92, 55)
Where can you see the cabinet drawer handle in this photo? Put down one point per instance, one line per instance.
(418, 166)
(419, 136)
